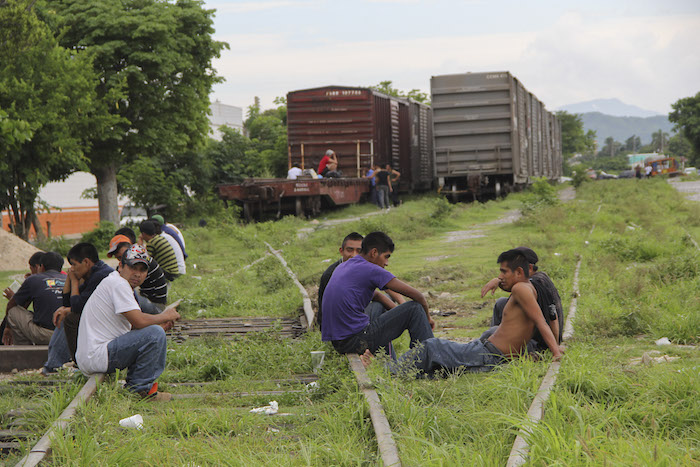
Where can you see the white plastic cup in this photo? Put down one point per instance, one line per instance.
(317, 357)
(135, 421)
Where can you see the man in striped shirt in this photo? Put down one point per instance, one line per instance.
(153, 292)
(159, 249)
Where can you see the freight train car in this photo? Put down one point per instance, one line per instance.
(363, 127)
(490, 135)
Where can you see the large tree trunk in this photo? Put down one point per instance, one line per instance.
(107, 193)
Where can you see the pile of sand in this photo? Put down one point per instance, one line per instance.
(14, 252)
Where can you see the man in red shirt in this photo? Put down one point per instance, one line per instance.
(328, 165)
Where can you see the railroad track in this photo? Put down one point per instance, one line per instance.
(15, 436)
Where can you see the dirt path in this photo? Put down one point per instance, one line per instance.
(691, 190)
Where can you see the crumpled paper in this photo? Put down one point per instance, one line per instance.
(271, 409)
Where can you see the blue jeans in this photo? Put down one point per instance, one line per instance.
(387, 326)
(440, 354)
(374, 310)
(142, 351)
(59, 353)
(148, 306)
(383, 196)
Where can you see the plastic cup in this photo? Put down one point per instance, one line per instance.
(317, 357)
(135, 421)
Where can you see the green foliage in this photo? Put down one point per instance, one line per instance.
(387, 87)
(580, 176)
(153, 60)
(541, 194)
(573, 138)
(46, 107)
(679, 146)
(441, 210)
(146, 184)
(610, 164)
(611, 148)
(686, 116)
(100, 236)
(60, 245)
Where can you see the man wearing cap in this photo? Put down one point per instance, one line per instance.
(116, 334)
(152, 295)
(173, 231)
(43, 291)
(548, 300)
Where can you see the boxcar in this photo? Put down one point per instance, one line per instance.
(490, 135)
(363, 127)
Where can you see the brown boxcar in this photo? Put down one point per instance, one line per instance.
(362, 126)
(490, 135)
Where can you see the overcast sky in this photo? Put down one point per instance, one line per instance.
(645, 53)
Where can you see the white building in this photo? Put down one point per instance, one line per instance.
(224, 115)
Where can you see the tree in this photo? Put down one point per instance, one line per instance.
(679, 146)
(611, 148)
(573, 138)
(47, 102)
(686, 116)
(633, 143)
(659, 141)
(387, 87)
(153, 59)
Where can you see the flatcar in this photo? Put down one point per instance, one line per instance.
(362, 127)
(490, 135)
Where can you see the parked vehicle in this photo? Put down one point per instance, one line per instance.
(490, 135)
(665, 166)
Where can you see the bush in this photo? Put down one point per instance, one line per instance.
(100, 236)
(440, 210)
(580, 176)
(541, 194)
(58, 244)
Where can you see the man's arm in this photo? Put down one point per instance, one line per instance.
(404, 289)
(140, 320)
(398, 298)
(383, 299)
(490, 286)
(525, 296)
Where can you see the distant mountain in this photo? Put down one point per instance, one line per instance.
(613, 107)
(621, 128)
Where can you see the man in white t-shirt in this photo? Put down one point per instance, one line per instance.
(294, 172)
(115, 334)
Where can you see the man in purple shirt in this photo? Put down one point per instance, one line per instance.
(354, 285)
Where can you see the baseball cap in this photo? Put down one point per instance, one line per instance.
(159, 218)
(116, 240)
(528, 253)
(134, 255)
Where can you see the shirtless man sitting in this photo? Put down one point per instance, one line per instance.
(521, 316)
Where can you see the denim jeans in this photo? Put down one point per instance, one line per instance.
(387, 326)
(374, 310)
(59, 353)
(148, 306)
(383, 196)
(142, 351)
(441, 354)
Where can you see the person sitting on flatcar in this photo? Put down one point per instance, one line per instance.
(328, 167)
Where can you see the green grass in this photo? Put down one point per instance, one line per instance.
(638, 283)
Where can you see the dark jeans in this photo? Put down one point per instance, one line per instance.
(387, 326)
(70, 326)
(143, 352)
(383, 196)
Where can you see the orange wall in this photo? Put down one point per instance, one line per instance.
(66, 221)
